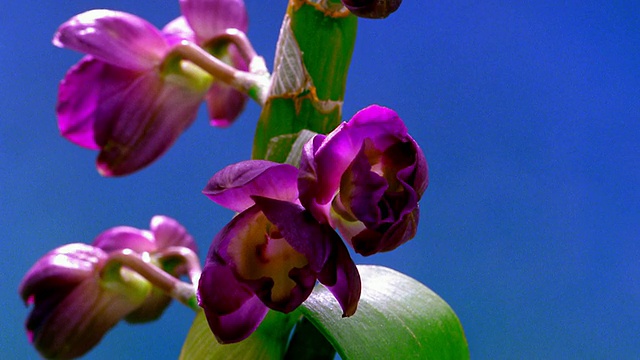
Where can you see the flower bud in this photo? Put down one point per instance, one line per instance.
(372, 9)
(73, 306)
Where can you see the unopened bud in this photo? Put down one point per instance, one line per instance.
(372, 9)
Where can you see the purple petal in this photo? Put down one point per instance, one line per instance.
(209, 18)
(125, 237)
(233, 186)
(63, 267)
(138, 125)
(178, 30)
(114, 37)
(219, 291)
(362, 189)
(224, 104)
(78, 99)
(238, 325)
(340, 275)
(332, 157)
(168, 232)
(79, 321)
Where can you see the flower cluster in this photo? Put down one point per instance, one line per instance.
(138, 88)
(365, 179)
(80, 291)
(130, 97)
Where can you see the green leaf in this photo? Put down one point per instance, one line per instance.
(397, 318)
(268, 342)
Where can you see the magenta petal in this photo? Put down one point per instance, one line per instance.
(233, 186)
(224, 104)
(79, 321)
(178, 30)
(78, 99)
(114, 37)
(340, 275)
(168, 232)
(125, 237)
(237, 326)
(209, 18)
(334, 155)
(60, 268)
(219, 291)
(138, 125)
(361, 191)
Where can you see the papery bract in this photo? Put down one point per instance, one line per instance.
(365, 178)
(271, 254)
(210, 19)
(165, 235)
(125, 98)
(72, 306)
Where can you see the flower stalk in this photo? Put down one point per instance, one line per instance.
(141, 264)
(255, 82)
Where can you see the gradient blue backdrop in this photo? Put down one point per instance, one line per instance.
(529, 115)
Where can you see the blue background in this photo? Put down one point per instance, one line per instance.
(529, 117)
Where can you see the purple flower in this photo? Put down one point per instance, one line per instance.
(73, 307)
(160, 244)
(210, 19)
(365, 178)
(373, 9)
(271, 254)
(126, 98)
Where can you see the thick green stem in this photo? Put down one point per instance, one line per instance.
(310, 72)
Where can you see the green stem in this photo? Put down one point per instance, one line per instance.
(310, 72)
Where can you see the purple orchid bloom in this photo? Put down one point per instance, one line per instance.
(127, 97)
(73, 306)
(162, 243)
(210, 19)
(365, 178)
(271, 254)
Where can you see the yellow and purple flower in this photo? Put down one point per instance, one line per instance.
(365, 178)
(271, 254)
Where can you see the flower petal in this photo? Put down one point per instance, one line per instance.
(80, 321)
(332, 157)
(340, 275)
(224, 104)
(233, 186)
(78, 99)
(238, 325)
(177, 30)
(125, 237)
(209, 18)
(114, 37)
(138, 125)
(62, 267)
(168, 232)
